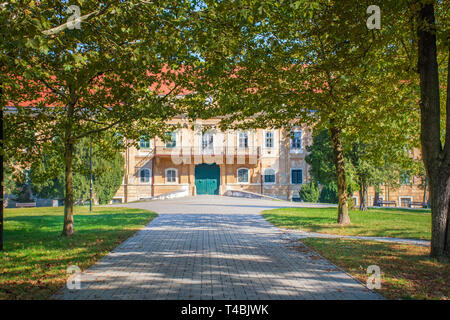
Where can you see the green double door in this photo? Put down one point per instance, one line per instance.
(207, 178)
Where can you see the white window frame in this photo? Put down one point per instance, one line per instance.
(166, 176)
(265, 139)
(239, 139)
(400, 202)
(145, 148)
(149, 175)
(248, 176)
(295, 150)
(356, 198)
(208, 149)
(264, 176)
(296, 184)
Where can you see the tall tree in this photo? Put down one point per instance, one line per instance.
(289, 63)
(46, 175)
(116, 71)
(436, 153)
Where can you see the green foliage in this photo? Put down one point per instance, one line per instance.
(119, 72)
(329, 193)
(322, 167)
(320, 158)
(309, 192)
(47, 175)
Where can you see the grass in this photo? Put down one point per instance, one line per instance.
(407, 272)
(35, 257)
(397, 223)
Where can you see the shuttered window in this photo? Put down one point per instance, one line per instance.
(296, 176)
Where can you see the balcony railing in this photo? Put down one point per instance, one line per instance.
(214, 151)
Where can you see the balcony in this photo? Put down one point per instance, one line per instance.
(227, 154)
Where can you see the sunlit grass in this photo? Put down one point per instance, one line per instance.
(407, 272)
(398, 223)
(35, 257)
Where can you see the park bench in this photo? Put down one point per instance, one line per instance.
(25, 204)
(383, 202)
(417, 204)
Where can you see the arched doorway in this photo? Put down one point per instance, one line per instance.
(207, 178)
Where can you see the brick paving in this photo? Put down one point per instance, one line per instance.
(214, 248)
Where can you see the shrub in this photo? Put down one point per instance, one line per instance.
(309, 192)
(329, 194)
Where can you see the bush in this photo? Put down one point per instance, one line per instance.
(329, 194)
(309, 192)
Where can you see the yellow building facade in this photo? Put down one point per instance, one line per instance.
(209, 161)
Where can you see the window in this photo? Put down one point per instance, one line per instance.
(242, 175)
(296, 176)
(269, 139)
(207, 141)
(296, 140)
(405, 201)
(269, 176)
(171, 175)
(144, 143)
(144, 175)
(243, 139)
(171, 140)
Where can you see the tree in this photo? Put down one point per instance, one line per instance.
(311, 62)
(47, 175)
(118, 71)
(329, 193)
(435, 151)
(310, 192)
(322, 168)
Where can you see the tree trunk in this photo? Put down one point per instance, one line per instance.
(436, 158)
(68, 228)
(376, 198)
(363, 196)
(338, 157)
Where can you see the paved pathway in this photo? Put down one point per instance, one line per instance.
(211, 247)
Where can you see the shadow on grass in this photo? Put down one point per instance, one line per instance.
(407, 271)
(36, 256)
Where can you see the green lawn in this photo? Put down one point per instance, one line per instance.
(35, 257)
(398, 223)
(407, 272)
